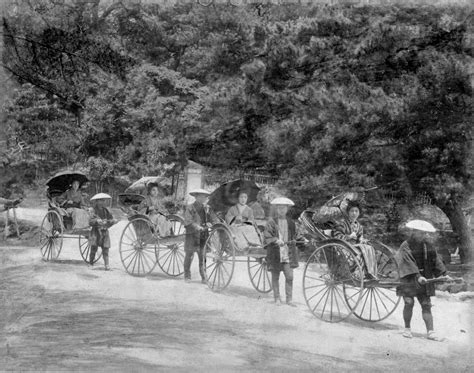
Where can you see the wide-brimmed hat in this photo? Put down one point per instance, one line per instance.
(101, 196)
(282, 201)
(420, 225)
(196, 192)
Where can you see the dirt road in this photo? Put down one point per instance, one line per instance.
(66, 316)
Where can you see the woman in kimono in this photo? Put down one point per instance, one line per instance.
(418, 261)
(155, 210)
(74, 206)
(240, 213)
(351, 230)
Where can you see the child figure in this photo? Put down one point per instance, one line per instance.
(101, 220)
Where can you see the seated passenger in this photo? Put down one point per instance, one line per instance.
(74, 206)
(240, 213)
(351, 230)
(156, 211)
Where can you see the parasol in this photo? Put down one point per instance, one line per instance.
(63, 180)
(227, 194)
(336, 206)
(421, 225)
(140, 185)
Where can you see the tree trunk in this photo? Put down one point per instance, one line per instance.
(463, 232)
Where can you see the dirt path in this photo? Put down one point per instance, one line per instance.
(66, 316)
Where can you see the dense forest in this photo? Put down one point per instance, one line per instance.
(325, 98)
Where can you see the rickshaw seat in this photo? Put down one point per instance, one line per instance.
(245, 236)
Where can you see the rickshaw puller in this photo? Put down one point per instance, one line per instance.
(198, 218)
(418, 261)
(282, 253)
(100, 221)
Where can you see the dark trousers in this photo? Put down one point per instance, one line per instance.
(288, 272)
(188, 259)
(105, 254)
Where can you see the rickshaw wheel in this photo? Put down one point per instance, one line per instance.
(170, 252)
(138, 244)
(378, 299)
(330, 270)
(51, 236)
(258, 274)
(219, 258)
(85, 249)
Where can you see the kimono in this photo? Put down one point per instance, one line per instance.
(196, 216)
(239, 214)
(156, 212)
(344, 229)
(271, 235)
(99, 235)
(417, 259)
(80, 217)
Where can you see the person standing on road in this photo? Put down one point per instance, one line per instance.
(198, 218)
(418, 262)
(282, 253)
(101, 220)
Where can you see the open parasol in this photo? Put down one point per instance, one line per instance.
(63, 180)
(336, 206)
(227, 194)
(140, 185)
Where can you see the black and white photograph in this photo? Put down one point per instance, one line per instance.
(236, 186)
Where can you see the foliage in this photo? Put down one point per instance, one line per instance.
(327, 98)
(36, 123)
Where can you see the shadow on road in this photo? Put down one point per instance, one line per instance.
(381, 325)
(67, 261)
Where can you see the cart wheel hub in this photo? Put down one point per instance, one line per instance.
(173, 247)
(138, 247)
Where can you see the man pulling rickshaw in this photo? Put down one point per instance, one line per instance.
(420, 265)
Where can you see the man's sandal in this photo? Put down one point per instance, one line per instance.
(407, 333)
(433, 336)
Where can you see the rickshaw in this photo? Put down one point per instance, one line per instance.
(142, 247)
(228, 244)
(56, 226)
(335, 283)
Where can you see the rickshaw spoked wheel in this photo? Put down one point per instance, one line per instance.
(85, 249)
(219, 261)
(138, 244)
(259, 275)
(331, 275)
(170, 252)
(377, 302)
(51, 235)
